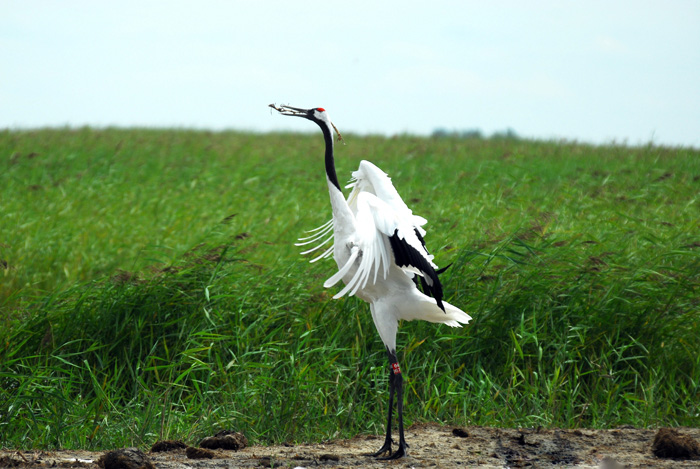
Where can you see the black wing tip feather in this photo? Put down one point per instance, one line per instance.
(406, 255)
(440, 271)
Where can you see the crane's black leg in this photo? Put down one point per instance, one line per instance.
(395, 385)
(387, 441)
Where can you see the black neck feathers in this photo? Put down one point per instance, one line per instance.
(330, 161)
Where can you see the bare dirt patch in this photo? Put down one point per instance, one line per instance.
(430, 446)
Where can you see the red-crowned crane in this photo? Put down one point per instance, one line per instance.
(380, 251)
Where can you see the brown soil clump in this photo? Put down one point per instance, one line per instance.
(198, 453)
(127, 458)
(225, 439)
(167, 445)
(669, 443)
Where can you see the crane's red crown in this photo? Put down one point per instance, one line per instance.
(320, 109)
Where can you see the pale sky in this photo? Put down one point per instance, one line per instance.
(593, 71)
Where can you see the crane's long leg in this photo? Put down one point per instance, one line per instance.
(387, 441)
(395, 385)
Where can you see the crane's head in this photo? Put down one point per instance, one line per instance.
(316, 114)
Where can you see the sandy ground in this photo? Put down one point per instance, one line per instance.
(430, 446)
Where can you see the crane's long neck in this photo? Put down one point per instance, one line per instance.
(330, 161)
(343, 219)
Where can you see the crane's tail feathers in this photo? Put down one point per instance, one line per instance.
(426, 309)
(452, 316)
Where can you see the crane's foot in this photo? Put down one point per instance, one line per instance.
(384, 449)
(399, 453)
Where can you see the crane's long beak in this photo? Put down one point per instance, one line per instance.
(305, 113)
(290, 111)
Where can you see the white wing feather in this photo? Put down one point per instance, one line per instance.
(322, 235)
(369, 178)
(343, 270)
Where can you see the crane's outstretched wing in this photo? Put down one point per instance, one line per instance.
(383, 237)
(387, 232)
(369, 178)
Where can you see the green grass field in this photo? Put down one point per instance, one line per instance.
(149, 287)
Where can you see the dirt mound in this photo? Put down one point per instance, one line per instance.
(167, 445)
(669, 443)
(127, 458)
(225, 439)
(199, 453)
